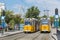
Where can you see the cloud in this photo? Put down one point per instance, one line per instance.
(41, 4)
(19, 8)
(46, 4)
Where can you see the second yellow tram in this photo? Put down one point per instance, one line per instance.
(45, 26)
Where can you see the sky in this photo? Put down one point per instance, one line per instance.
(21, 6)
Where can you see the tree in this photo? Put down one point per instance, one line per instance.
(17, 18)
(12, 23)
(12, 18)
(52, 19)
(59, 21)
(32, 12)
(44, 16)
(8, 16)
(22, 21)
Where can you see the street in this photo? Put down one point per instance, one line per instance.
(29, 36)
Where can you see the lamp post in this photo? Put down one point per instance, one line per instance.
(3, 23)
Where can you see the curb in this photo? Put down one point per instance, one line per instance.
(11, 34)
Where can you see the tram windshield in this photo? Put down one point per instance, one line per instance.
(44, 21)
(27, 23)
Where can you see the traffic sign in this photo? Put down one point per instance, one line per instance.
(56, 21)
(56, 24)
(56, 16)
(3, 24)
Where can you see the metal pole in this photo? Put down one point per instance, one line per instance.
(47, 13)
(3, 24)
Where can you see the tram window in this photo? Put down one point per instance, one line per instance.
(44, 22)
(26, 23)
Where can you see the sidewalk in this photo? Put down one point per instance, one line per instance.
(58, 33)
(53, 35)
(9, 33)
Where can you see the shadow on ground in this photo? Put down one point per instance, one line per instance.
(58, 34)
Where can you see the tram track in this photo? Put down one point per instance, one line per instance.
(48, 37)
(36, 37)
(21, 37)
(43, 36)
(29, 36)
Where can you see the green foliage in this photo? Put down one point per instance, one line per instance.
(17, 18)
(22, 21)
(8, 16)
(32, 12)
(12, 23)
(44, 16)
(52, 19)
(12, 19)
(59, 22)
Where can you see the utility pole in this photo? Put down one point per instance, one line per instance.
(2, 15)
(20, 11)
(46, 12)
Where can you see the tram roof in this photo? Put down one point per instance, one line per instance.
(45, 19)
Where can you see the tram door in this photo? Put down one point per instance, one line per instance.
(35, 24)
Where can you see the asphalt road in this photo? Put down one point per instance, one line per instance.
(29, 36)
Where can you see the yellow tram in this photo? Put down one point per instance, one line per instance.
(31, 25)
(45, 26)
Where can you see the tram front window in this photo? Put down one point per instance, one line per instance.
(44, 22)
(27, 23)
